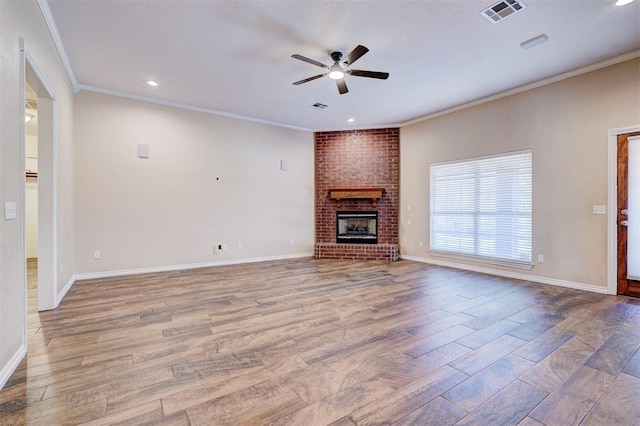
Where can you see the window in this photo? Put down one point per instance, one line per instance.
(481, 209)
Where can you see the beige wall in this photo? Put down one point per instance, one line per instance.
(208, 180)
(565, 124)
(23, 19)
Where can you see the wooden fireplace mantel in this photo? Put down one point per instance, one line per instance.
(372, 194)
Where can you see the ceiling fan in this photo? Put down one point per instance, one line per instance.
(340, 68)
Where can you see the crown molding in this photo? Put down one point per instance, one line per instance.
(540, 83)
(53, 30)
(350, 128)
(188, 107)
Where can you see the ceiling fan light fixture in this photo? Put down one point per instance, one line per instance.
(623, 2)
(336, 72)
(152, 83)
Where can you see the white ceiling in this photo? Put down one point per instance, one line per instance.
(234, 56)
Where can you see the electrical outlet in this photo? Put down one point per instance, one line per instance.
(96, 254)
(540, 258)
(421, 244)
(239, 245)
(292, 242)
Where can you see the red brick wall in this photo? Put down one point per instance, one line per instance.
(357, 159)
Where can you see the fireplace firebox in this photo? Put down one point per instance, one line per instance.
(357, 227)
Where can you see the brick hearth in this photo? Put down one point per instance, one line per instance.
(357, 159)
(356, 251)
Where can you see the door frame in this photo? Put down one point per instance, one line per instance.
(47, 181)
(612, 205)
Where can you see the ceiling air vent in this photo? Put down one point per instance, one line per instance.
(318, 105)
(502, 9)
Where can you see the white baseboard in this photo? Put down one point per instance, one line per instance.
(64, 291)
(507, 274)
(11, 366)
(108, 274)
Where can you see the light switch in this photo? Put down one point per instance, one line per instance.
(599, 210)
(284, 165)
(10, 210)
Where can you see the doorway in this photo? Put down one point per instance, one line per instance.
(31, 195)
(628, 220)
(623, 274)
(46, 178)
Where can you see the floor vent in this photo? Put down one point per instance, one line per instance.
(318, 105)
(502, 9)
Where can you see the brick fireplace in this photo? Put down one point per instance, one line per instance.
(357, 171)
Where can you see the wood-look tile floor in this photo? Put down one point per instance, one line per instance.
(317, 342)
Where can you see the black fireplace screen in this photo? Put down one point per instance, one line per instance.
(357, 227)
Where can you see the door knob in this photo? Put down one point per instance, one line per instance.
(624, 223)
(624, 212)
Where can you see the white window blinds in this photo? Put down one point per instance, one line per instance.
(481, 208)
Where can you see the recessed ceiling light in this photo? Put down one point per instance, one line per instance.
(152, 83)
(351, 120)
(623, 2)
